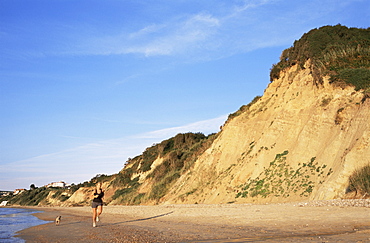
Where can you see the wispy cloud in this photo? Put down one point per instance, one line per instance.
(248, 4)
(82, 163)
(210, 32)
(239, 28)
(169, 38)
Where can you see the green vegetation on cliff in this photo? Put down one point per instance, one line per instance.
(177, 155)
(340, 52)
(359, 181)
(282, 180)
(38, 196)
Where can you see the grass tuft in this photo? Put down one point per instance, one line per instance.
(359, 181)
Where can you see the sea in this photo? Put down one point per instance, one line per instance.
(13, 220)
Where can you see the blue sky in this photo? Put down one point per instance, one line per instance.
(84, 85)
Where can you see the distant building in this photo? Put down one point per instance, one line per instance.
(17, 191)
(3, 203)
(61, 184)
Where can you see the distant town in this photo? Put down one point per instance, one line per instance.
(60, 184)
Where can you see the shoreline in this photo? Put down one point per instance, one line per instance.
(290, 222)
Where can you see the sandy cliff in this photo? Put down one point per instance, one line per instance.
(295, 122)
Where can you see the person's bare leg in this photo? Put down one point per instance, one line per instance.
(94, 216)
(99, 211)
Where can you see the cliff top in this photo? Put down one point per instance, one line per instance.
(337, 51)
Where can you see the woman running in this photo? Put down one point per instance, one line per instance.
(97, 203)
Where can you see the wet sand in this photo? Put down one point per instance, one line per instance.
(292, 222)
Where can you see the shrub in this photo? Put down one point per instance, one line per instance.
(359, 181)
(101, 178)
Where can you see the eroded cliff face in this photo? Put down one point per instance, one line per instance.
(301, 140)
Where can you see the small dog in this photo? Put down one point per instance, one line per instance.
(57, 220)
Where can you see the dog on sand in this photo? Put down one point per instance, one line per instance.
(57, 220)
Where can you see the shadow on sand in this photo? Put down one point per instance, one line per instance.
(143, 219)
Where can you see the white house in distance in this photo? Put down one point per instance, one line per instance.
(17, 191)
(61, 184)
(3, 203)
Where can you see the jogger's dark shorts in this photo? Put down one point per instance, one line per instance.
(96, 204)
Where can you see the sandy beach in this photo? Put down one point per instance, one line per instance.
(329, 221)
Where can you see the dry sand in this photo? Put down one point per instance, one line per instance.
(291, 222)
